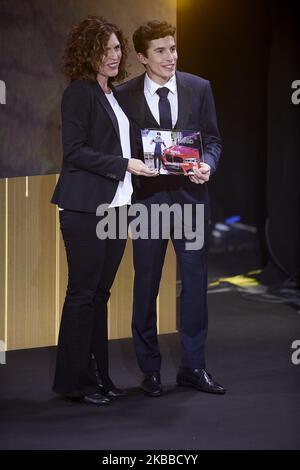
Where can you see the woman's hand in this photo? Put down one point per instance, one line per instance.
(137, 167)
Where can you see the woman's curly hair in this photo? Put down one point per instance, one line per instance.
(86, 47)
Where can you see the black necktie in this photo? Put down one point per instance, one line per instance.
(164, 107)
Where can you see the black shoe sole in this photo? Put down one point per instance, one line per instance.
(195, 387)
(114, 397)
(85, 402)
(151, 394)
(82, 400)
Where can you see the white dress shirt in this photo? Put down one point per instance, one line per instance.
(152, 98)
(124, 189)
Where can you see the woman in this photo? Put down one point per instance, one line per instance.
(96, 169)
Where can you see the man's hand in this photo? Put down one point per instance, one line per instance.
(201, 175)
(137, 167)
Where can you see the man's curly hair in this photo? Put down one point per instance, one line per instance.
(85, 49)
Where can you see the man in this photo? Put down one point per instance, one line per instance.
(158, 141)
(165, 99)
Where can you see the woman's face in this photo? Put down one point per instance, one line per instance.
(109, 66)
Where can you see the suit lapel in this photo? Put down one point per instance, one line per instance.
(184, 94)
(137, 105)
(104, 102)
(149, 116)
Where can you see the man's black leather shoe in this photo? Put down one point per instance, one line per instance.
(92, 399)
(112, 392)
(199, 379)
(108, 389)
(95, 399)
(151, 384)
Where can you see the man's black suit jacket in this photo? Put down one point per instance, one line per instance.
(92, 156)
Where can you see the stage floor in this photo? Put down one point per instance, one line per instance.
(248, 351)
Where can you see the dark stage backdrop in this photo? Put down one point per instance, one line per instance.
(32, 38)
(227, 42)
(283, 140)
(246, 48)
(31, 43)
(250, 51)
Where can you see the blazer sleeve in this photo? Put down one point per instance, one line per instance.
(210, 133)
(76, 111)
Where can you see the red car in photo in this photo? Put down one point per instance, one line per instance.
(180, 159)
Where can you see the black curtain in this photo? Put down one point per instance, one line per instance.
(250, 51)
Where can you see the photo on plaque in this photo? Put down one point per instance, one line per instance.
(172, 152)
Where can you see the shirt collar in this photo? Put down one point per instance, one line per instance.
(152, 86)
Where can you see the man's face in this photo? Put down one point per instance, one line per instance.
(160, 62)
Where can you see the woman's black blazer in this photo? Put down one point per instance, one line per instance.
(93, 163)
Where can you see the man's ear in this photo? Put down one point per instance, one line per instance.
(143, 60)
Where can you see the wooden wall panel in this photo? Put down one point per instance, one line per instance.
(120, 303)
(120, 308)
(3, 183)
(62, 274)
(37, 271)
(166, 308)
(31, 263)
